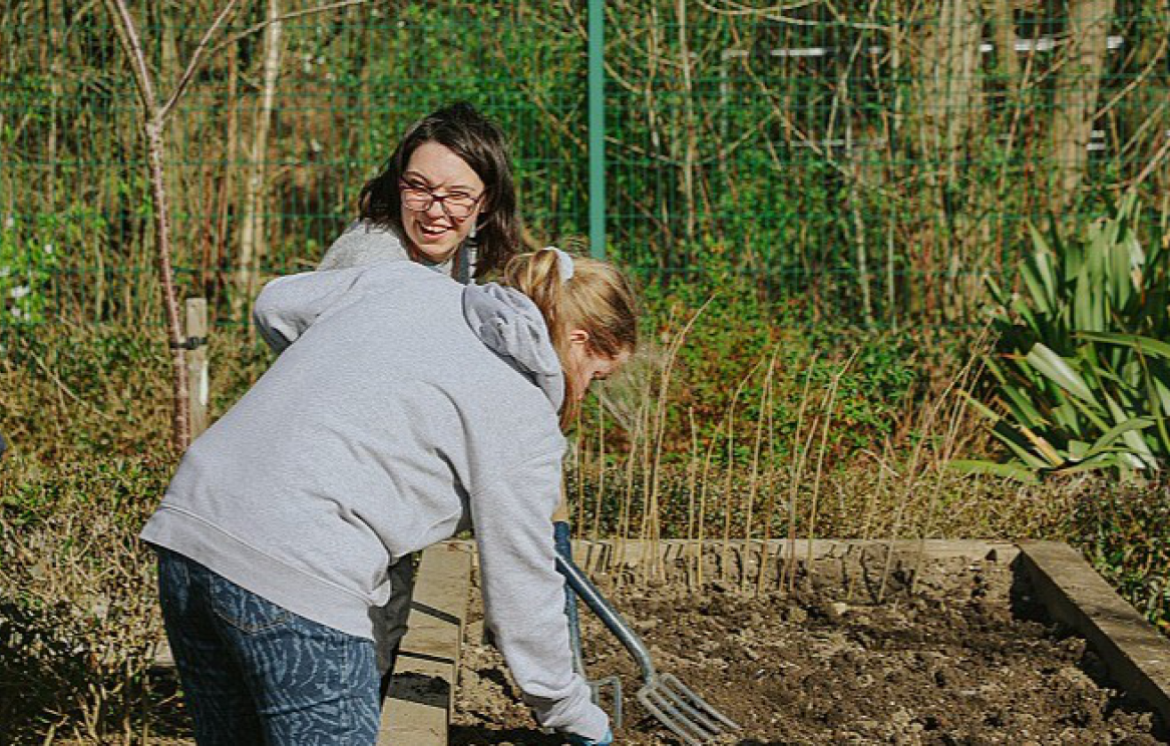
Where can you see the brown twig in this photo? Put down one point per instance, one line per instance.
(196, 60)
(286, 17)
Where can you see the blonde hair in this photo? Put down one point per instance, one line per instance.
(597, 298)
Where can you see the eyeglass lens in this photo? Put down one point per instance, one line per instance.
(420, 198)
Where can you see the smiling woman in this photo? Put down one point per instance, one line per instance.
(440, 196)
(445, 199)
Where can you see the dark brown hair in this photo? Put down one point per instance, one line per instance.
(481, 144)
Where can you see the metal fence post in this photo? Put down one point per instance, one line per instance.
(597, 128)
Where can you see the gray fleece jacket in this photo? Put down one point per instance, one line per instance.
(403, 409)
(364, 242)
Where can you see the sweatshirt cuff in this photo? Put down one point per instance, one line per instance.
(594, 725)
(575, 713)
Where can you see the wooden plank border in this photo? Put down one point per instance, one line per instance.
(1136, 655)
(417, 709)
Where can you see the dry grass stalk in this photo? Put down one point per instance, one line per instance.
(870, 509)
(770, 508)
(799, 454)
(694, 551)
(830, 404)
(754, 478)
(909, 481)
(651, 526)
(624, 514)
(599, 500)
(954, 395)
(725, 554)
(702, 533)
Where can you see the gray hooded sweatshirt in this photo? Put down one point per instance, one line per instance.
(403, 409)
(364, 242)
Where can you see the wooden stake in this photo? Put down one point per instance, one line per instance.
(197, 376)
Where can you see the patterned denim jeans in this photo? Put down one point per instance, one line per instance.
(256, 673)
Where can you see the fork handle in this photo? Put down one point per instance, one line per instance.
(564, 545)
(605, 611)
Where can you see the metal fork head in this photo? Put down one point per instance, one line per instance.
(596, 686)
(683, 711)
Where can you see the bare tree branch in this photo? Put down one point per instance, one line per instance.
(196, 60)
(773, 14)
(1154, 163)
(288, 16)
(128, 36)
(154, 130)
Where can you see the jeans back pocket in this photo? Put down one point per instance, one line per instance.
(243, 609)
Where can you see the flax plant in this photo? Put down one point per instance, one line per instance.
(1081, 379)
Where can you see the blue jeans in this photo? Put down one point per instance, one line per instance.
(255, 673)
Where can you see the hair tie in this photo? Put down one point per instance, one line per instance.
(564, 263)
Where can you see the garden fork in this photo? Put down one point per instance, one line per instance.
(675, 705)
(596, 686)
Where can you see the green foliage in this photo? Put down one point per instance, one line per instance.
(1080, 368)
(728, 350)
(1123, 530)
(33, 252)
(27, 261)
(78, 623)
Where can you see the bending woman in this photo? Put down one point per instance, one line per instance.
(407, 409)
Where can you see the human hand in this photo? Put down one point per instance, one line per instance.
(576, 740)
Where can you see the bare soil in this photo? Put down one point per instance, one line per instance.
(946, 652)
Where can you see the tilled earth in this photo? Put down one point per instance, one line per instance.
(960, 658)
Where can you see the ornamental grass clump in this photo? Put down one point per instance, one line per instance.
(1080, 374)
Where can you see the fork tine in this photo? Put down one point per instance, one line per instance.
(595, 687)
(700, 704)
(678, 698)
(652, 700)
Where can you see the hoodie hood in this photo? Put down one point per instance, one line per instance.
(511, 325)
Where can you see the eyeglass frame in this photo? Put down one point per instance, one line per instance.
(404, 185)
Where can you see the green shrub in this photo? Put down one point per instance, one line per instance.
(737, 332)
(78, 616)
(1122, 529)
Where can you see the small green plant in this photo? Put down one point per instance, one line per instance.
(1079, 370)
(25, 270)
(31, 250)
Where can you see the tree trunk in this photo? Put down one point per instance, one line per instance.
(216, 282)
(252, 236)
(156, 147)
(950, 97)
(153, 129)
(947, 106)
(1077, 84)
(1008, 62)
(689, 127)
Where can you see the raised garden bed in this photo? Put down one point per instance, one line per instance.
(943, 646)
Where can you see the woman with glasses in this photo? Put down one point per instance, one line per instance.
(444, 199)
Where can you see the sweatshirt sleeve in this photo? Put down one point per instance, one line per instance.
(524, 596)
(287, 306)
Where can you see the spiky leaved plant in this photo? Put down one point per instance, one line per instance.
(1081, 372)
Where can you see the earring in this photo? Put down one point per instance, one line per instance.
(474, 227)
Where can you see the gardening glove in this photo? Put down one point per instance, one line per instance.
(576, 740)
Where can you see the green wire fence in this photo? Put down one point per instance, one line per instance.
(872, 161)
